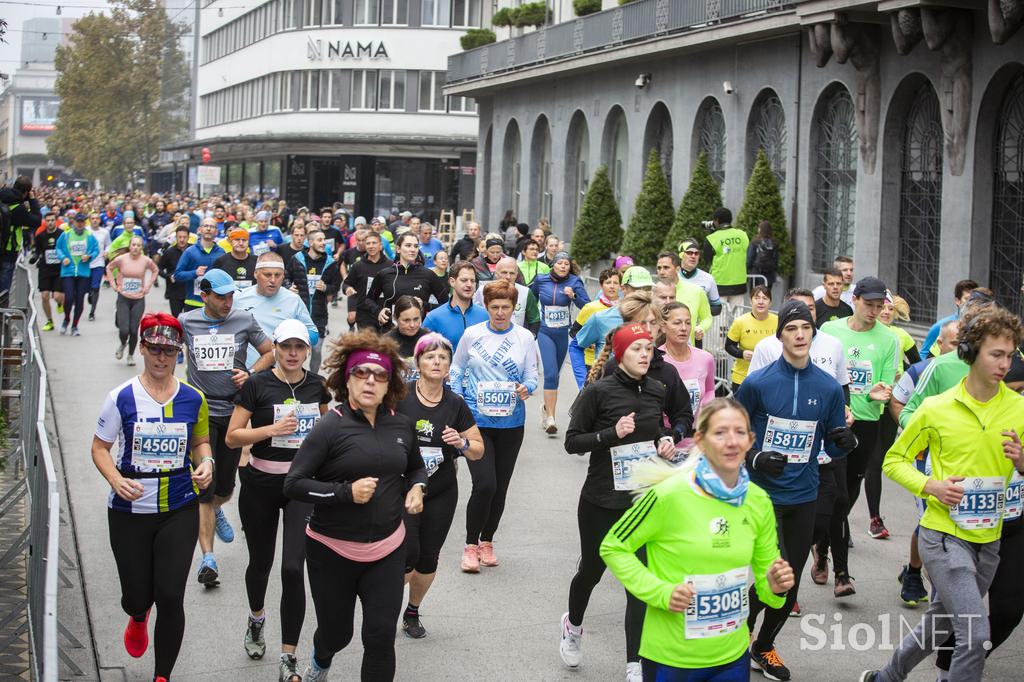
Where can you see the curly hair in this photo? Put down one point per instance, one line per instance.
(367, 339)
(991, 322)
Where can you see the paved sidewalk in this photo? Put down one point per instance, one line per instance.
(502, 624)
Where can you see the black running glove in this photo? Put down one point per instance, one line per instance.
(843, 438)
(767, 462)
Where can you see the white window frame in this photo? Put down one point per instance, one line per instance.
(392, 76)
(441, 15)
(360, 95)
(287, 14)
(394, 6)
(312, 12)
(463, 106)
(432, 81)
(465, 19)
(366, 13)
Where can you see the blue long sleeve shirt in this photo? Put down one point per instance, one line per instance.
(554, 304)
(195, 257)
(80, 250)
(791, 411)
(933, 334)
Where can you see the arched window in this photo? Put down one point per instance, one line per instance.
(577, 163)
(616, 147)
(920, 204)
(513, 168)
(711, 137)
(484, 207)
(1007, 263)
(767, 131)
(835, 179)
(658, 135)
(542, 169)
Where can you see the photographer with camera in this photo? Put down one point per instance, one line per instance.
(726, 251)
(19, 212)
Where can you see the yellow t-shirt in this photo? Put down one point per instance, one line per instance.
(747, 330)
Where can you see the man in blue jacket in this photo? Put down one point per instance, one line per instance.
(196, 260)
(794, 406)
(76, 249)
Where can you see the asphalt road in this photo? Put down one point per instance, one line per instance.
(502, 624)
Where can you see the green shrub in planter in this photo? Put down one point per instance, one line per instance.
(584, 7)
(599, 228)
(504, 16)
(700, 201)
(531, 14)
(476, 37)
(762, 201)
(652, 216)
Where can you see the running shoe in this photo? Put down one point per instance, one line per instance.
(795, 612)
(769, 663)
(63, 328)
(844, 586)
(289, 669)
(255, 644)
(912, 591)
(868, 676)
(60, 309)
(224, 530)
(819, 567)
(550, 427)
(75, 332)
(159, 678)
(131, 360)
(570, 647)
(119, 353)
(48, 327)
(412, 627)
(136, 636)
(315, 673)
(487, 557)
(208, 574)
(92, 317)
(634, 672)
(877, 529)
(471, 559)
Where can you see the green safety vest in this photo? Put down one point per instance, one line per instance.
(729, 267)
(14, 240)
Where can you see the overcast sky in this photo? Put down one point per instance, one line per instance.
(10, 53)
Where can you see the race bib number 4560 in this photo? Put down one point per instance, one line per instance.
(159, 446)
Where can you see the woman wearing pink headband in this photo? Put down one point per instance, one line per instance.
(355, 468)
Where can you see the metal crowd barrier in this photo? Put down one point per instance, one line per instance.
(24, 389)
(714, 343)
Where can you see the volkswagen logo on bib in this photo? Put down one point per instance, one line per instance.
(978, 483)
(720, 580)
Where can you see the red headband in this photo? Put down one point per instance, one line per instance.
(367, 357)
(625, 337)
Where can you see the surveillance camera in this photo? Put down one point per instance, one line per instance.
(727, 87)
(642, 80)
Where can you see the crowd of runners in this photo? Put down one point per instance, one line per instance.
(706, 496)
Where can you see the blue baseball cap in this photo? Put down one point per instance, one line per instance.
(217, 281)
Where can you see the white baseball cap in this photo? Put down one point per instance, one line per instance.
(291, 329)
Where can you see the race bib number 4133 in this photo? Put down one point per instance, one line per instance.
(982, 504)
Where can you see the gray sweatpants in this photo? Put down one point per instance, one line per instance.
(129, 314)
(961, 573)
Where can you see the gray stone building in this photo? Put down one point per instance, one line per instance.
(895, 128)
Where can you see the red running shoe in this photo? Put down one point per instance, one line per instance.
(136, 636)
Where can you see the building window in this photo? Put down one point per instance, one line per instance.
(436, 13)
(835, 181)
(920, 205)
(288, 13)
(546, 168)
(617, 153)
(513, 155)
(309, 99)
(658, 135)
(314, 11)
(364, 90)
(711, 138)
(431, 98)
(465, 13)
(394, 12)
(367, 13)
(769, 133)
(461, 105)
(1008, 199)
(392, 91)
(579, 155)
(333, 11)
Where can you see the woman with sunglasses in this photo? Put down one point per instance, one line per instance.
(445, 429)
(274, 412)
(162, 462)
(355, 467)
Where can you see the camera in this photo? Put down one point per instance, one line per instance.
(708, 225)
(642, 80)
(727, 87)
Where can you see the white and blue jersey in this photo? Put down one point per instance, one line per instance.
(485, 369)
(154, 444)
(791, 410)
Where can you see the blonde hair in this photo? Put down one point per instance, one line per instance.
(900, 309)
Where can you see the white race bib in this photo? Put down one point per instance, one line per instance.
(51, 257)
(131, 285)
(369, 283)
(791, 437)
(496, 398)
(693, 387)
(159, 446)
(196, 291)
(311, 280)
(862, 376)
(982, 505)
(307, 414)
(720, 605)
(242, 284)
(329, 243)
(625, 458)
(78, 248)
(432, 458)
(1013, 501)
(214, 352)
(260, 248)
(556, 316)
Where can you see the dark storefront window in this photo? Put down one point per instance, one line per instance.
(423, 186)
(271, 183)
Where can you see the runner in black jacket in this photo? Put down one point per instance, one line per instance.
(361, 276)
(408, 277)
(316, 279)
(175, 292)
(361, 468)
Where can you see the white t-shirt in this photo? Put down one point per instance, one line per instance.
(826, 353)
(102, 237)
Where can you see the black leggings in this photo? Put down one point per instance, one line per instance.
(795, 524)
(426, 532)
(887, 429)
(153, 553)
(594, 524)
(833, 506)
(259, 508)
(867, 456)
(177, 306)
(129, 314)
(335, 582)
(1005, 607)
(75, 289)
(491, 476)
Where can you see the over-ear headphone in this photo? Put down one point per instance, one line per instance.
(964, 350)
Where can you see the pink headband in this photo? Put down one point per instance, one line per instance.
(364, 357)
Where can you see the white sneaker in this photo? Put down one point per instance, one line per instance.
(634, 672)
(570, 645)
(131, 360)
(550, 427)
(119, 353)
